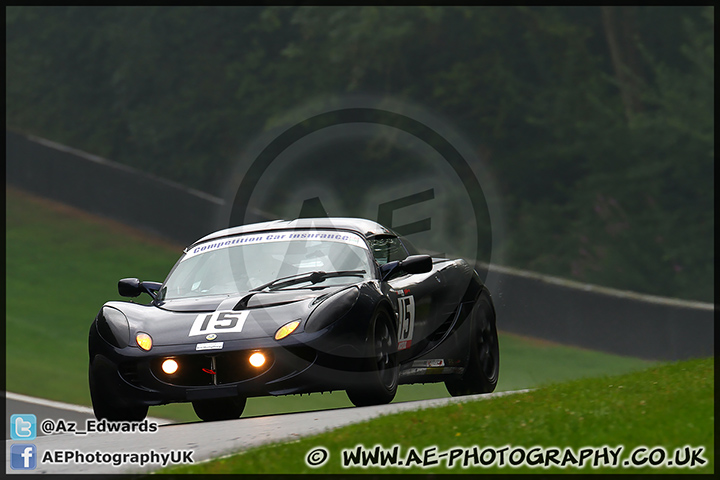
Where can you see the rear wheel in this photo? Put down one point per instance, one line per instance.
(481, 373)
(219, 408)
(103, 407)
(383, 375)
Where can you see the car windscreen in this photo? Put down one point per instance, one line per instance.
(238, 264)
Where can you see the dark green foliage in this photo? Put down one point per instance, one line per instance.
(596, 122)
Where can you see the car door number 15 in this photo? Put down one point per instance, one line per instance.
(406, 321)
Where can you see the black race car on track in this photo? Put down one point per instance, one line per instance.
(288, 307)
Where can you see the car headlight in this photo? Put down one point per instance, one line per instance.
(144, 341)
(286, 329)
(113, 327)
(331, 309)
(170, 366)
(257, 359)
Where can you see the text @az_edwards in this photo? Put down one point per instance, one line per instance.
(50, 427)
(509, 456)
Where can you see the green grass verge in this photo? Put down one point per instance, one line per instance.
(669, 406)
(62, 265)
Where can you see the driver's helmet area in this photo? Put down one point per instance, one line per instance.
(387, 249)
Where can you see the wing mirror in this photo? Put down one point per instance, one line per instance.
(417, 264)
(132, 287)
(412, 265)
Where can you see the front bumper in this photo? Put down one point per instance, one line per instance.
(132, 376)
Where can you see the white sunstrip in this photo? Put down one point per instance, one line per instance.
(277, 236)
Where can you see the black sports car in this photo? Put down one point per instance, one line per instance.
(287, 307)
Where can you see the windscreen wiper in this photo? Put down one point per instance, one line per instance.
(313, 277)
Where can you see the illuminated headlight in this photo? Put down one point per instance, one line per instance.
(169, 366)
(144, 341)
(286, 330)
(257, 359)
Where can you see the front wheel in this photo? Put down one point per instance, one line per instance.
(219, 408)
(382, 365)
(481, 373)
(104, 408)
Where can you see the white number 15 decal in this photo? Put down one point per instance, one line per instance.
(406, 321)
(218, 322)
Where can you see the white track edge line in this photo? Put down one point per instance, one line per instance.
(63, 406)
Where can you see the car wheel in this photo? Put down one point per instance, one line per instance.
(481, 372)
(219, 408)
(104, 408)
(382, 365)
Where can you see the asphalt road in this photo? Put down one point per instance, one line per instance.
(197, 441)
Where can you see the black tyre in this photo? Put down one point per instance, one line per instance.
(103, 407)
(219, 408)
(481, 373)
(383, 369)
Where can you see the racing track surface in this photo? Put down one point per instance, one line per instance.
(206, 439)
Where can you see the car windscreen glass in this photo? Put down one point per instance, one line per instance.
(241, 263)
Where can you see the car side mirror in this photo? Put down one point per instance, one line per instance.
(417, 264)
(412, 265)
(129, 287)
(132, 287)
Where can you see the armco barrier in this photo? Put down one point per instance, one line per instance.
(529, 304)
(594, 317)
(108, 188)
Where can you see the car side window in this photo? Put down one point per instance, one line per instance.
(387, 249)
(411, 249)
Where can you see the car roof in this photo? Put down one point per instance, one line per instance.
(364, 227)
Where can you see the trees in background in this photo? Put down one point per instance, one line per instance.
(597, 122)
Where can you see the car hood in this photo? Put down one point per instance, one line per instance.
(245, 316)
(244, 301)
